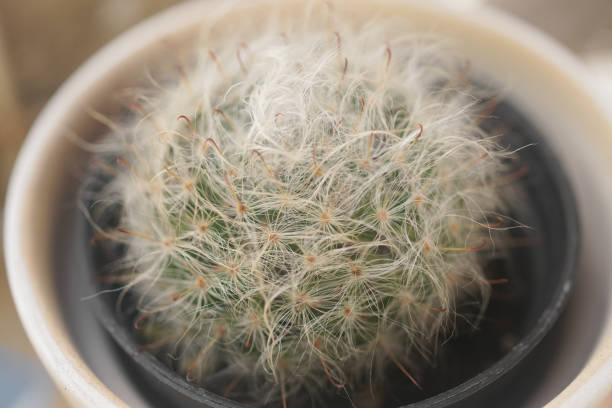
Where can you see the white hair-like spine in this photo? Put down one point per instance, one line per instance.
(304, 210)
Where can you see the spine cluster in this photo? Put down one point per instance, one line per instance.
(302, 211)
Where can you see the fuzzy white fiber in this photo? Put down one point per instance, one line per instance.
(303, 211)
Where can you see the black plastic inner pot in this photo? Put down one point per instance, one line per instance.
(479, 367)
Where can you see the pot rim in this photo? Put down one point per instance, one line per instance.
(37, 311)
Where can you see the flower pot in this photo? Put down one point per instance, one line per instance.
(473, 368)
(48, 258)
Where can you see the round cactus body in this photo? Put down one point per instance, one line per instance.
(302, 211)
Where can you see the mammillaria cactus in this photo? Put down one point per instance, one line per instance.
(302, 211)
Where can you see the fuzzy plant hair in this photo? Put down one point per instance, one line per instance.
(302, 211)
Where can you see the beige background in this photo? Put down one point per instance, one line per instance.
(42, 42)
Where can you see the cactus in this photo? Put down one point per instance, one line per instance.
(302, 212)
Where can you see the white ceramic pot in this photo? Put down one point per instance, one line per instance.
(550, 86)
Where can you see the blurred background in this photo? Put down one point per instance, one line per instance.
(43, 42)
